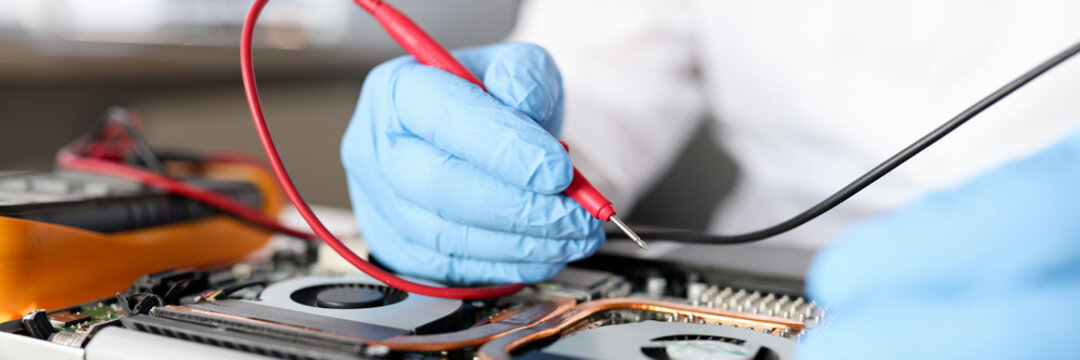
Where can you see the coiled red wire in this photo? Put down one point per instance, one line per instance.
(254, 104)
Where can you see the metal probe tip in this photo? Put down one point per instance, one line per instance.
(626, 229)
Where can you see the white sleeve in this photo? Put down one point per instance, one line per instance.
(632, 92)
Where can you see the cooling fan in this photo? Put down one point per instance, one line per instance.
(656, 340)
(358, 298)
(348, 296)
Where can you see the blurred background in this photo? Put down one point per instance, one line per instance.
(62, 62)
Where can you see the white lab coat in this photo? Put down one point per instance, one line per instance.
(806, 95)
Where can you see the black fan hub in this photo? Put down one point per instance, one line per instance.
(349, 298)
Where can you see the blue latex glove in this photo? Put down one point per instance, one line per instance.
(454, 184)
(987, 270)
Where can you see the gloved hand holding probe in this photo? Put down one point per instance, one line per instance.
(451, 183)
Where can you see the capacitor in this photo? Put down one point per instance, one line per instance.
(656, 286)
(694, 291)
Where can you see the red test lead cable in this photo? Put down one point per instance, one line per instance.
(255, 106)
(68, 159)
(428, 52)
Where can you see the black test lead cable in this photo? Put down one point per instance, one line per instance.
(689, 236)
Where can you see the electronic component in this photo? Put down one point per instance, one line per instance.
(768, 304)
(63, 318)
(580, 284)
(654, 340)
(98, 312)
(260, 329)
(37, 325)
(481, 332)
(655, 286)
(241, 324)
(146, 303)
(170, 285)
(607, 312)
(380, 304)
(70, 327)
(695, 289)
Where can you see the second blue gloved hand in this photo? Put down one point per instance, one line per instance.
(989, 269)
(460, 185)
